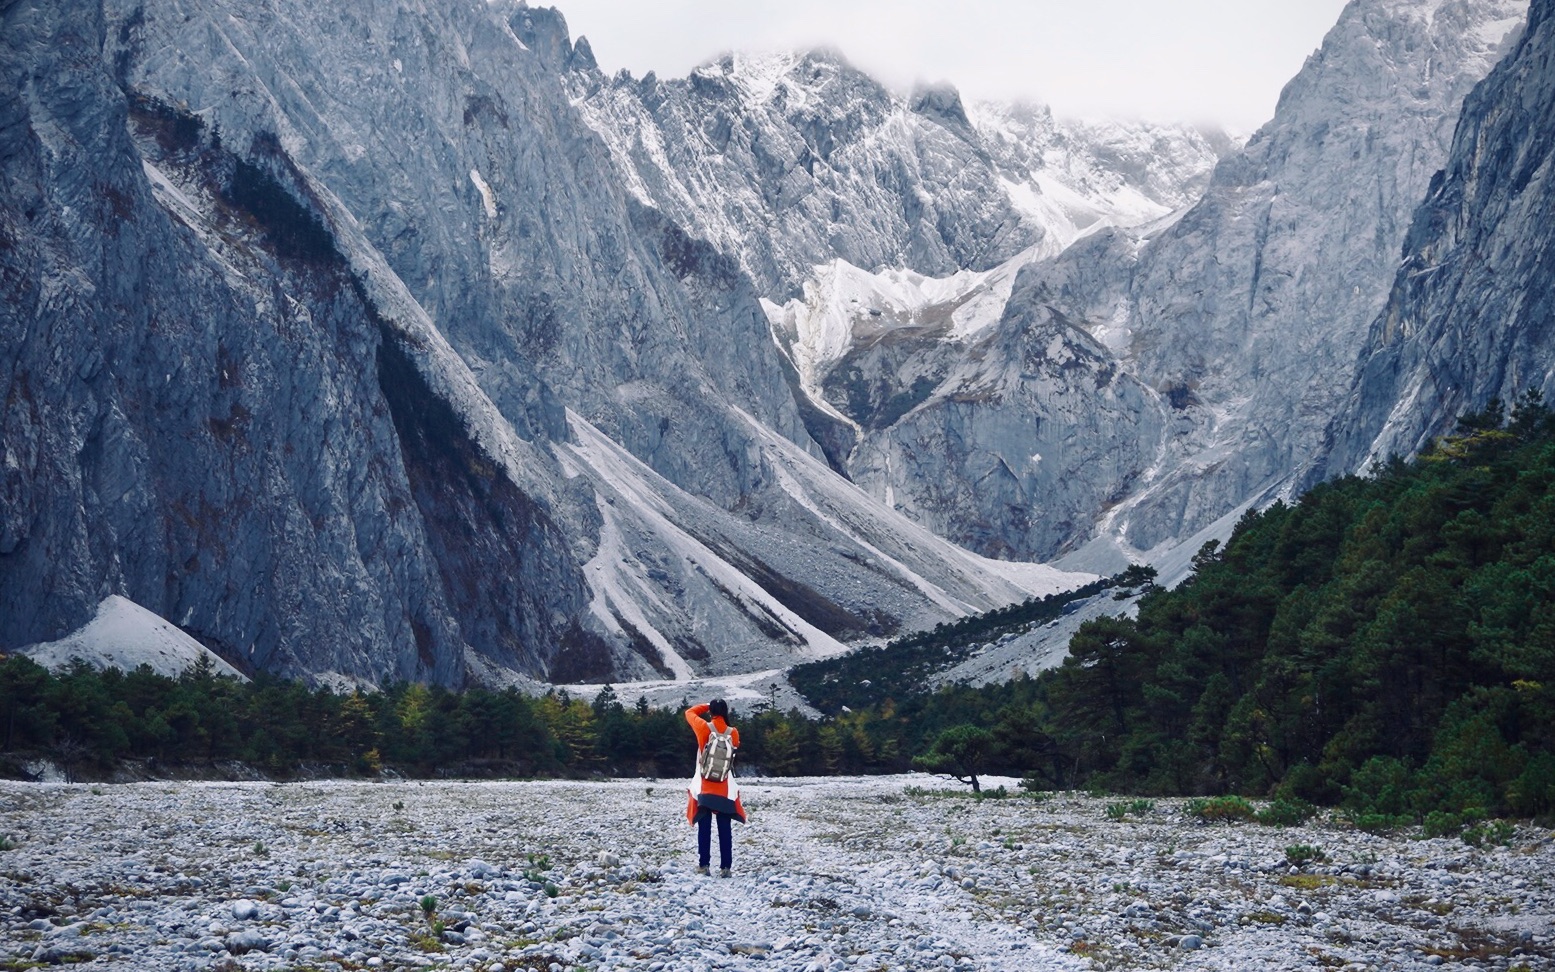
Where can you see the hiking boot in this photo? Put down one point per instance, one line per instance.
(724, 872)
(702, 870)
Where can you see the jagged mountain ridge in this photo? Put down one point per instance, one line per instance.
(788, 161)
(308, 312)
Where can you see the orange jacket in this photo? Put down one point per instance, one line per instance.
(717, 790)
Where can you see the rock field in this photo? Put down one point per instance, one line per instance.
(873, 873)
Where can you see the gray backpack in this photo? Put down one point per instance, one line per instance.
(717, 757)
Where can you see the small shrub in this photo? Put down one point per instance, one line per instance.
(1286, 813)
(1303, 854)
(1129, 808)
(428, 905)
(399, 804)
(260, 850)
(551, 890)
(1378, 823)
(1494, 832)
(1225, 809)
(1441, 823)
(538, 865)
(1034, 785)
(6, 843)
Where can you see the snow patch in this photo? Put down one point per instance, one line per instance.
(488, 198)
(124, 635)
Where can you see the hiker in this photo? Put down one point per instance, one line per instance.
(713, 793)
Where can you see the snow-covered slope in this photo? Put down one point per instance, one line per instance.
(124, 635)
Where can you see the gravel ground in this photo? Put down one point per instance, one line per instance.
(830, 875)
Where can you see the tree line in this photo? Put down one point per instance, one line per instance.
(1386, 644)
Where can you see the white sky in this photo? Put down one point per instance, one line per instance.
(1220, 61)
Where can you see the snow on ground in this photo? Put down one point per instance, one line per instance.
(125, 635)
(830, 875)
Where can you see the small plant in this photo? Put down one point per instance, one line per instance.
(399, 804)
(1302, 854)
(1286, 813)
(283, 886)
(1490, 833)
(97, 791)
(551, 890)
(1034, 787)
(538, 865)
(1441, 823)
(1128, 808)
(260, 850)
(1378, 823)
(650, 790)
(428, 905)
(1224, 809)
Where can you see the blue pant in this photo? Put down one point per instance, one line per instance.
(705, 838)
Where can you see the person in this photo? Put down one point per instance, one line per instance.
(709, 800)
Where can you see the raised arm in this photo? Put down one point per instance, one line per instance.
(698, 724)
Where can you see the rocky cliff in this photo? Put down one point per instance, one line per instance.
(1469, 318)
(1215, 343)
(1247, 313)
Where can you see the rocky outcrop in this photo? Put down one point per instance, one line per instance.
(1468, 321)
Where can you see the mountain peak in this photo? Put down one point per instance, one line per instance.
(941, 102)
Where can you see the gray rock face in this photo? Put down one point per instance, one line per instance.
(204, 410)
(331, 337)
(1249, 311)
(973, 403)
(1468, 320)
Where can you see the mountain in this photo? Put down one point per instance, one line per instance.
(1468, 320)
(1156, 375)
(1249, 311)
(396, 342)
(790, 161)
(331, 337)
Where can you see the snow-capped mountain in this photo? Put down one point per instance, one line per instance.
(790, 161)
(397, 341)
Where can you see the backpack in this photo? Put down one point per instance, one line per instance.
(717, 757)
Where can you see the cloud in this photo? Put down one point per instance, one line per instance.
(1220, 60)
